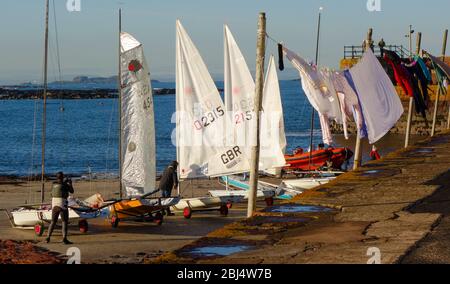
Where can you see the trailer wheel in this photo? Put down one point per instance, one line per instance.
(158, 218)
(187, 212)
(223, 210)
(39, 229)
(269, 201)
(83, 226)
(114, 221)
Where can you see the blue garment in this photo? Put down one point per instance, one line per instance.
(424, 68)
(363, 130)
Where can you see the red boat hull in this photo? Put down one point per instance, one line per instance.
(319, 159)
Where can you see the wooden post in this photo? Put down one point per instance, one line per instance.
(119, 80)
(357, 160)
(408, 123)
(358, 153)
(44, 107)
(438, 91)
(418, 42)
(410, 108)
(254, 163)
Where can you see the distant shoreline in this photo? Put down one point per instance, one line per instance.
(13, 93)
(24, 94)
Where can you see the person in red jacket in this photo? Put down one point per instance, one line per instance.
(374, 155)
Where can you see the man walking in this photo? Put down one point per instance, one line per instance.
(169, 180)
(60, 192)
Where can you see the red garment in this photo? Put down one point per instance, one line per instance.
(401, 76)
(374, 155)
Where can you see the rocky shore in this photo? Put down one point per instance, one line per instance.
(32, 94)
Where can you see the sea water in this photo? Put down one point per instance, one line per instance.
(83, 138)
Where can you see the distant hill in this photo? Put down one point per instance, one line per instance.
(95, 80)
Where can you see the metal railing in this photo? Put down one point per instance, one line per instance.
(356, 51)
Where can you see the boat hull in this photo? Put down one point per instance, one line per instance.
(319, 159)
(205, 202)
(25, 217)
(306, 183)
(243, 194)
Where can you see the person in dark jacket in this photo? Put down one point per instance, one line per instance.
(60, 192)
(169, 180)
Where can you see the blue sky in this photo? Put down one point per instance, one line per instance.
(88, 39)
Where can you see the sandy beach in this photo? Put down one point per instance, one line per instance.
(131, 242)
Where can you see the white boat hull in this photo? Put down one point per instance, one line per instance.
(260, 194)
(205, 202)
(26, 217)
(303, 184)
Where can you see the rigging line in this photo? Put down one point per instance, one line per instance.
(272, 39)
(61, 108)
(30, 172)
(109, 153)
(57, 42)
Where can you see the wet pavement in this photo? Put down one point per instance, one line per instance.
(389, 211)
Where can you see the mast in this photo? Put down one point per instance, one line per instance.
(44, 108)
(119, 80)
(312, 109)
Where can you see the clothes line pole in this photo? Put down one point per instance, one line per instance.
(410, 108)
(438, 91)
(259, 82)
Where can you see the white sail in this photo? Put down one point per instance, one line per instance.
(239, 93)
(138, 131)
(272, 136)
(203, 148)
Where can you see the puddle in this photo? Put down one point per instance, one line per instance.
(370, 173)
(280, 219)
(297, 208)
(423, 150)
(218, 250)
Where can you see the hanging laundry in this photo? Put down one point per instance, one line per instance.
(360, 116)
(280, 57)
(316, 89)
(400, 73)
(444, 67)
(379, 101)
(335, 109)
(423, 67)
(442, 72)
(327, 137)
(415, 68)
(348, 101)
(419, 97)
(405, 80)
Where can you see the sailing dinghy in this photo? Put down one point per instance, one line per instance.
(137, 136)
(202, 144)
(239, 90)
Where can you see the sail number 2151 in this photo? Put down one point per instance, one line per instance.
(208, 118)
